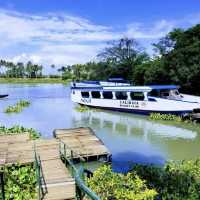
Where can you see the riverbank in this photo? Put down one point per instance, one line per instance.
(33, 80)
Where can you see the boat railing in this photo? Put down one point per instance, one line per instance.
(82, 190)
(41, 184)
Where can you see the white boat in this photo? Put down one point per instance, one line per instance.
(119, 95)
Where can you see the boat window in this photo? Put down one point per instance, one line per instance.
(107, 95)
(96, 94)
(154, 93)
(121, 95)
(139, 96)
(85, 94)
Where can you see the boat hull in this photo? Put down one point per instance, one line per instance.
(141, 112)
(145, 107)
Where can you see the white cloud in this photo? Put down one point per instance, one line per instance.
(57, 38)
(154, 31)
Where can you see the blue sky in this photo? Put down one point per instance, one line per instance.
(74, 31)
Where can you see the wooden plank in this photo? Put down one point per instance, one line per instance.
(14, 138)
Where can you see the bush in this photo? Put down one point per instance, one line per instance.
(109, 185)
(179, 181)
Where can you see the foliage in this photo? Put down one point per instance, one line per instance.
(32, 80)
(109, 185)
(168, 117)
(177, 180)
(18, 107)
(178, 61)
(20, 182)
(19, 130)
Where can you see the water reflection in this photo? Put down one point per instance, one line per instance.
(134, 138)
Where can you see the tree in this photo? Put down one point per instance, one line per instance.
(167, 43)
(183, 62)
(33, 70)
(122, 56)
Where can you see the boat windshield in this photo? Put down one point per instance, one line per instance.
(166, 94)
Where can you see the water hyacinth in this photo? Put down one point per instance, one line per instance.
(82, 108)
(19, 130)
(167, 117)
(18, 107)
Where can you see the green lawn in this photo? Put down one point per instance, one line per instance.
(33, 80)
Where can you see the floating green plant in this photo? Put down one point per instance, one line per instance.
(82, 108)
(20, 182)
(18, 107)
(19, 130)
(167, 117)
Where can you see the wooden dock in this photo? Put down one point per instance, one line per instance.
(84, 143)
(57, 183)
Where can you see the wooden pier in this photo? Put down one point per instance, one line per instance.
(83, 143)
(57, 182)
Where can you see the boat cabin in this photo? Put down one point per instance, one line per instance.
(127, 92)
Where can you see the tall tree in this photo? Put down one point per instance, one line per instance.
(123, 56)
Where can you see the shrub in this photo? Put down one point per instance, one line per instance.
(179, 181)
(109, 185)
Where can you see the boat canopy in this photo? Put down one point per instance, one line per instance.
(164, 87)
(85, 86)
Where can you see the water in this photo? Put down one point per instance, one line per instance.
(130, 138)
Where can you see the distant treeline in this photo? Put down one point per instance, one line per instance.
(176, 60)
(20, 70)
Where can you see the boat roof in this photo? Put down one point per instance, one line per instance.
(162, 87)
(97, 87)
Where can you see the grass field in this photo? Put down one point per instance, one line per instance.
(33, 80)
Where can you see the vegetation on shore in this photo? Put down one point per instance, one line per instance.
(18, 107)
(176, 180)
(33, 80)
(109, 185)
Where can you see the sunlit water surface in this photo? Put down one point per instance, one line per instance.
(130, 138)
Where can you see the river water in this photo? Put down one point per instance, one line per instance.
(130, 138)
